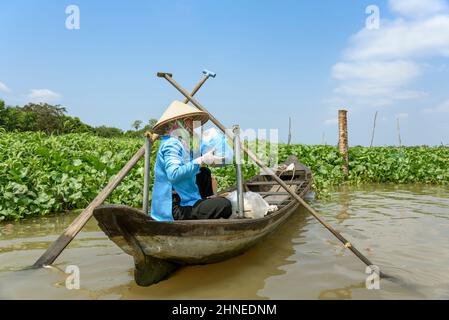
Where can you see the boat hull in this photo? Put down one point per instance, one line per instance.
(194, 244)
(159, 248)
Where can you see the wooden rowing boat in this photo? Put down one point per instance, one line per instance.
(159, 248)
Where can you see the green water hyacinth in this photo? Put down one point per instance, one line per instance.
(420, 164)
(42, 174)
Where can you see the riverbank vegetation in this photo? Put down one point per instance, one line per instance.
(53, 119)
(41, 174)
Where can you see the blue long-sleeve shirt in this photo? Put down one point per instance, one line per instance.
(173, 171)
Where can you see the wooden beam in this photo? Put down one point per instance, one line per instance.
(273, 183)
(272, 193)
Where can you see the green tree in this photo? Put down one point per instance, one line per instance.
(148, 127)
(136, 124)
(2, 113)
(75, 125)
(108, 132)
(13, 118)
(152, 123)
(49, 119)
(52, 120)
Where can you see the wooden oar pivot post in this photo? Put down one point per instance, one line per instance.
(238, 171)
(343, 139)
(149, 140)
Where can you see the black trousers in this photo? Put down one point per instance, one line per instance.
(204, 182)
(215, 208)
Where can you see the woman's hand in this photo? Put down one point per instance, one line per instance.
(209, 159)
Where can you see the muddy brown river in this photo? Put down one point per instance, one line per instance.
(403, 229)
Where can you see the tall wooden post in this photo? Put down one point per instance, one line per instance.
(374, 130)
(289, 130)
(399, 133)
(147, 168)
(343, 139)
(238, 171)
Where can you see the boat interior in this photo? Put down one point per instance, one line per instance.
(295, 175)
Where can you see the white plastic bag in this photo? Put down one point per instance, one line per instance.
(255, 206)
(214, 140)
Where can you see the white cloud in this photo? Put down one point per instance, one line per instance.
(402, 115)
(443, 107)
(377, 79)
(391, 72)
(418, 8)
(402, 39)
(43, 95)
(4, 88)
(380, 66)
(332, 121)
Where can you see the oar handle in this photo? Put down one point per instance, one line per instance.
(198, 87)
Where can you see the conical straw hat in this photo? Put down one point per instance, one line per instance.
(178, 110)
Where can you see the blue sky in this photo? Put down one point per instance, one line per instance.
(274, 59)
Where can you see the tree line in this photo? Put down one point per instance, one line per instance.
(52, 119)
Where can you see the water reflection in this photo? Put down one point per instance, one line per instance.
(340, 293)
(403, 229)
(343, 213)
(239, 278)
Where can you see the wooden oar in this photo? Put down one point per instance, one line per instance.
(253, 157)
(67, 236)
(75, 227)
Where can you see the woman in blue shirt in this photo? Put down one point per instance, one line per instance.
(176, 194)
